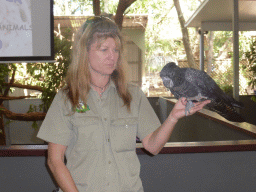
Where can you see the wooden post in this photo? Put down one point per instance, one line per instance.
(202, 50)
(235, 25)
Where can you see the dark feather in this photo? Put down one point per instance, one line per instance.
(189, 82)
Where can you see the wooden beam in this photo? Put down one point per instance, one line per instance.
(33, 116)
(18, 85)
(14, 98)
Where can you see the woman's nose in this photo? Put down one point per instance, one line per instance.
(111, 54)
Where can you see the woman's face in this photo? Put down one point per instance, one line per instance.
(103, 59)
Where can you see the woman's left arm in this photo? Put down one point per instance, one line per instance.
(155, 141)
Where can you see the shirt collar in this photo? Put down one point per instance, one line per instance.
(112, 84)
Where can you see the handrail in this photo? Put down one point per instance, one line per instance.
(169, 148)
(204, 147)
(23, 150)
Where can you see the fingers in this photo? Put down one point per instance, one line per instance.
(199, 105)
(183, 100)
(180, 106)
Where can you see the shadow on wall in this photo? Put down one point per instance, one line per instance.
(249, 112)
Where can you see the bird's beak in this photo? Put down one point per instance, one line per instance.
(167, 82)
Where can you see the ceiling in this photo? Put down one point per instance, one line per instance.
(217, 15)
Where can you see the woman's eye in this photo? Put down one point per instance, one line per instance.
(103, 50)
(117, 50)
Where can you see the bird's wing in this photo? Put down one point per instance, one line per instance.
(220, 101)
(181, 87)
(206, 85)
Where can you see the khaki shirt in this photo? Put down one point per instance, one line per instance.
(101, 153)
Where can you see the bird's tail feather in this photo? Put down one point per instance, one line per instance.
(232, 116)
(238, 104)
(226, 111)
(235, 103)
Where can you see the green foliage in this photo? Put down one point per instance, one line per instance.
(8, 122)
(244, 43)
(73, 7)
(34, 108)
(251, 56)
(4, 71)
(220, 38)
(228, 89)
(112, 8)
(50, 76)
(222, 73)
(253, 98)
(225, 37)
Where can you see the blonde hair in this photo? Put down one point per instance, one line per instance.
(78, 75)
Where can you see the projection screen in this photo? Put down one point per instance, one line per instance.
(26, 31)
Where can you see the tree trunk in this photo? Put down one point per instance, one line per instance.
(96, 7)
(122, 6)
(185, 36)
(225, 48)
(197, 45)
(210, 53)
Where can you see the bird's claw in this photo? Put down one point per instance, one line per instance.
(199, 97)
(190, 104)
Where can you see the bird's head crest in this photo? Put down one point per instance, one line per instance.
(168, 69)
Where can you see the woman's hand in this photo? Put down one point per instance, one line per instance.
(178, 110)
(155, 141)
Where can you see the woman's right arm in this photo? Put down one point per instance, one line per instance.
(59, 170)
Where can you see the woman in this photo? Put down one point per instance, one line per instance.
(95, 119)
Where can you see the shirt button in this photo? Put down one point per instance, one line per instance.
(108, 140)
(105, 119)
(109, 162)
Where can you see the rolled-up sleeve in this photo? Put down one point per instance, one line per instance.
(148, 120)
(56, 127)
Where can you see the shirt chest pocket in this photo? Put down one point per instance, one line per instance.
(87, 130)
(123, 134)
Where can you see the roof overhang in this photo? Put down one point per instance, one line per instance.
(216, 15)
(225, 15)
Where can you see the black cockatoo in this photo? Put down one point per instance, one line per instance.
(196, 85)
